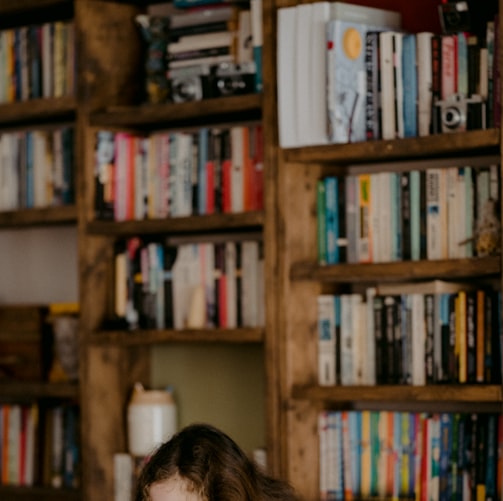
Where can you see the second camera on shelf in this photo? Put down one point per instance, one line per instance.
(194, 83)
(459, 113)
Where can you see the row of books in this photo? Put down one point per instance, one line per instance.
(169, 284)
(392, 455)
(37, 61)
(37, 168)
(172, 174)
(39, 445)
(417, 334)
(441, 212)
(416, 83)
(349, 73)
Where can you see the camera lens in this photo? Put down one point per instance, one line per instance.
(230, 85)
(452, 117)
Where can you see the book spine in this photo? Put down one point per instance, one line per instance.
(332, 219)
(409, 75)
(321, 214)
(372, 108)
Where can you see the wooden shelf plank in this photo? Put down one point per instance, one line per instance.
(397, 271)
(239, 107)
(476, 141)
(8, 7)
(148, 337)
(401, 393)
(192, 224)
(13, 493)
(38, 389)
(37, 110)
(39, 217)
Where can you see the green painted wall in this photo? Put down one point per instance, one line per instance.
(220, 384)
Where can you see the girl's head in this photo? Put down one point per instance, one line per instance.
(201, 463)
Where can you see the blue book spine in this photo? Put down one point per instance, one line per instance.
(257, 57)
(355, 439)
(409, 76)
(336, 487)
(415, 215)
(374, 452)
(445, 455)
(444, 318)
(462, 64)
(321, 221)
(201, 170)
(332, 218)
(491, 456)
(338, 316)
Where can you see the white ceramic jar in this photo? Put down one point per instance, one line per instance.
(152, 419)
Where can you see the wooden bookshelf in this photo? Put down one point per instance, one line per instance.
(28, 6)
(434, 146)
(27, 390)
(468, 268)
(150, 337)
(38, 111)
(8, 493)
(491, 394)
(47, 216)
(221, 110)
(193, 224)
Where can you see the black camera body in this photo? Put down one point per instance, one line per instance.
(231, 79)
(193, 83)
(459, 113)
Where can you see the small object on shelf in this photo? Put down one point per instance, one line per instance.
(65, 364)
(152, 419)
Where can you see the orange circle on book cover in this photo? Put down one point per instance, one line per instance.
(352, 43)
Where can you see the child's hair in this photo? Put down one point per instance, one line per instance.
(211, 464)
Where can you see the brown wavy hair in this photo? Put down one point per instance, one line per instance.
(212, 464)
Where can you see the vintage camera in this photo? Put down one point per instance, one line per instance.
(231, 79)
(191, 83)
(458, 113)
(454, 16)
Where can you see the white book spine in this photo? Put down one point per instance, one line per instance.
(249, 284)
(326, 340)
(286, 81)
(434, 229)
(452, 213)
(387, 86)
(237, 171)
(230, 272)
(303, 77)
(424, 81)
(347, 341)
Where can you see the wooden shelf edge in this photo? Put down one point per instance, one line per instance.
(408, 148)
(191, 224)
(149, 114)
(38, 110)
(25, 493)
(46, 216)
(8, 7)
(401, 393)
(149, 337)
(38, 389)
(396, 271)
